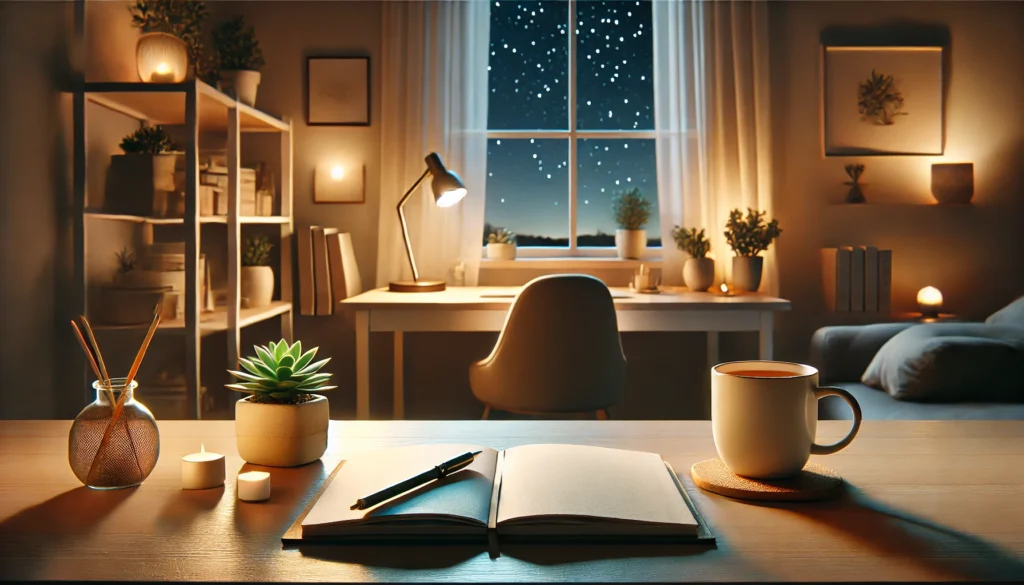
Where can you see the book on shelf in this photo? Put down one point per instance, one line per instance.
(870, 279)
(856, 279)
(307, 292)
(529, 493)
(322, 270)
(836, 278)
(884, 281)
(345, 279)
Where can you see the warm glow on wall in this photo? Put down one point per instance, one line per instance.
(337, 172)
(929, 300)
(338, 180)
(161, 58)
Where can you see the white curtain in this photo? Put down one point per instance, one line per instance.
(711, 88)
(433, 99)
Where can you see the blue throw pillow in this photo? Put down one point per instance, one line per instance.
(951, 362)
(1011, 315)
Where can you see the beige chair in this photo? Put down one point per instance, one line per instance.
(558, 353)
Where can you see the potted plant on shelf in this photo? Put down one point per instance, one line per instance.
(699, 270)
(283, 422)
(239, 59)
(140, 178)
(632, 211)
(501, 245)
(182, 19)
(748, 237)
(257, 275)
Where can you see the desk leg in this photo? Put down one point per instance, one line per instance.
(399, 404)
(712, 362)
(362, 365)
(765, 334)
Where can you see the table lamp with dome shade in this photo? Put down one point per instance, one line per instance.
(448, 190)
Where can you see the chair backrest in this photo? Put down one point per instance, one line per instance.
(559, 350)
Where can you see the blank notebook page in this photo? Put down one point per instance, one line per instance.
(589, 482)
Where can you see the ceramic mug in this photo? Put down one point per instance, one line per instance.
(764, 416)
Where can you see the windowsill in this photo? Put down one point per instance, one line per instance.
(572, 262)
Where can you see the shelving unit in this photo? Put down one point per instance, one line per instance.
(195, 107)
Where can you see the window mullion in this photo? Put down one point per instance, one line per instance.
(572, 128)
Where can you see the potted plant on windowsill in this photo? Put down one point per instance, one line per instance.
(257, 276)
(501, 245)
(699, 270)
(283, 422)
(239, 60)
(748, 237)
(631, 214)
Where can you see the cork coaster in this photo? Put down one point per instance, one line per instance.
(815, 482)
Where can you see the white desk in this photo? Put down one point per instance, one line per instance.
(484, 309)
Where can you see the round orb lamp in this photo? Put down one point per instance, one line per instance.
(929, 300)
(161, 58)
(953, 183)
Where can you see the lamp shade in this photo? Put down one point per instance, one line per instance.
(161, 58)
(447, 186)
(929, 300)
(953, 183)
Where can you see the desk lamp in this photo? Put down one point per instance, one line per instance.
(448, 190)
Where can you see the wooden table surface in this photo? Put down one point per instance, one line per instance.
(926, 501)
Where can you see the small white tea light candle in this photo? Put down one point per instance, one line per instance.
(253, 486)
(202, 470)
(929, 300)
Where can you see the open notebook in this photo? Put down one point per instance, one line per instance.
(530, 492)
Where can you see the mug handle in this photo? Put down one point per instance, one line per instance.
(824, 391)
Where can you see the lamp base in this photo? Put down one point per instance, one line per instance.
(414, 286)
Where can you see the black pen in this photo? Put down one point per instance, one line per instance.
(447, 468)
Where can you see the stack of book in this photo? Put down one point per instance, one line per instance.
(857, 279)
(328, 272)
(213, 188)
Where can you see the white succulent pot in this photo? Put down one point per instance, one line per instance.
(258, 285)
(501, 251)
(241, 84)
(699, 273)
(746, 273)
(630, 243)
(282, 435)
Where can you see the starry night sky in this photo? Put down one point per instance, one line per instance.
(528, 179)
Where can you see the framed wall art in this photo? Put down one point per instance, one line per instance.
(338, 91)
(882, 100)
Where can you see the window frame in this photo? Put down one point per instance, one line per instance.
(574, 135)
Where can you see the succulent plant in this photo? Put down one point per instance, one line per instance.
(691, 241)
(501, 236)
(281, 374)
(148, 140)
(257, 251)
(125, 261)
(631, 210)
(237, 47)
(750, 236)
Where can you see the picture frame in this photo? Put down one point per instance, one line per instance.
(882, 100)
(338, 91)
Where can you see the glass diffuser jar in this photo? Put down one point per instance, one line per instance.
(105, 456)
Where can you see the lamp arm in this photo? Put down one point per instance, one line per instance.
(405, 227)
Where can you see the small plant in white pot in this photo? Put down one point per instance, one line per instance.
(631, 214)
(257, 275)
(501, 245)
(283, 422)
(748, 237)
(239, 59)
(142, 174)
(699, 270)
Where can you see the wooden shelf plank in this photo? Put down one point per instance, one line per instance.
(245, 219)
(212, 322)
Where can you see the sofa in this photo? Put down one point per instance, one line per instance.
(843, 353)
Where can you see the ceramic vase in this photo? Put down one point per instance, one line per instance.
(699, 273)
(258, 285)
(855, 195)
(746, 273)
(501, 251)
(282, 435)
(630, 243)
(241, 85)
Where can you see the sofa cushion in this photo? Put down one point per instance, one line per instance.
(1011, 315)
(951, 362)
(876, 405)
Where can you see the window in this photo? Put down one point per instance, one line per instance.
(571, 121)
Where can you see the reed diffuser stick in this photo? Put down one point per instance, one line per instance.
(92, 360)
(99, 354)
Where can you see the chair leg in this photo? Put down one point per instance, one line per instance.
(602, 414)
(487, 412)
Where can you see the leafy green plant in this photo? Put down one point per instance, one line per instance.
(501, 236)
(125, 261)
(257, 251)
(148, 140)
(237, 47)
(691, 241)
(750, 236)
(181, 18)
(281, 374)
(879, 100)
(631, 210)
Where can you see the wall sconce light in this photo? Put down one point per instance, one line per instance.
(929, 300)
(336, 182)
(161, 58)
(953, 183)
